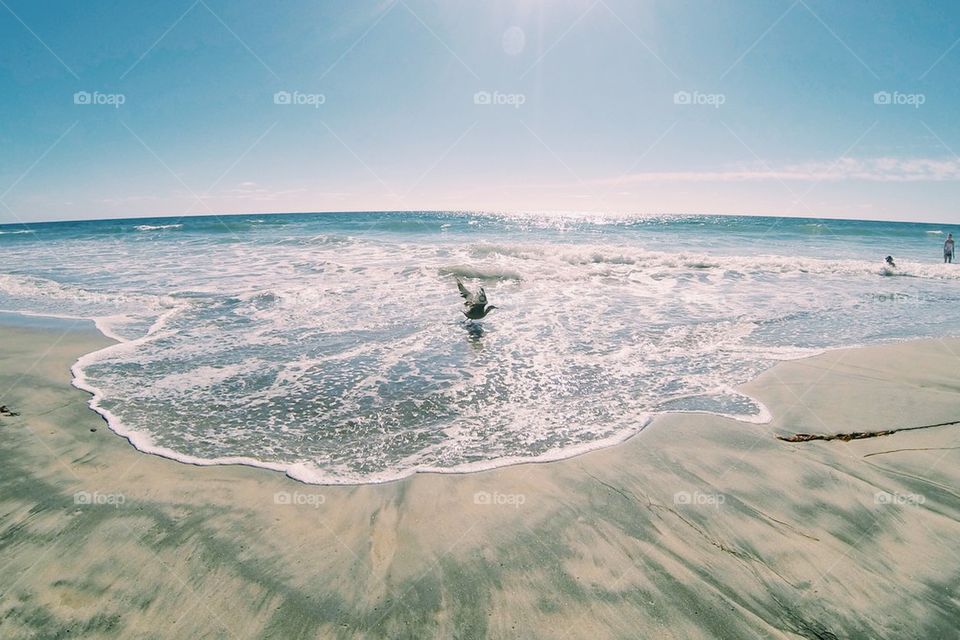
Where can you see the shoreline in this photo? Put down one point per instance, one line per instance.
(297, 471)
(697, 527)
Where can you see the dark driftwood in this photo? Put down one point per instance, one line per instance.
(857, 435)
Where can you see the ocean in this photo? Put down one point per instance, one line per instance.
(331, 346)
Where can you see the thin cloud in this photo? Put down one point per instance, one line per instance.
(847, 169)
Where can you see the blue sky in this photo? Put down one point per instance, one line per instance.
(739, 107)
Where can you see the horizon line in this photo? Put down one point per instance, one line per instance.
(524, 212)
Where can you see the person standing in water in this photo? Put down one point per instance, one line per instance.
(948, 248)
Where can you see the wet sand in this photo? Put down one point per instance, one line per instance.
(698, 527)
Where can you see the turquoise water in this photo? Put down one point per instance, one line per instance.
(331, 346)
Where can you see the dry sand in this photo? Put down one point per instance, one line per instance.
(699, 527)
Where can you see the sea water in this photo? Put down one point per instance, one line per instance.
(332, 346)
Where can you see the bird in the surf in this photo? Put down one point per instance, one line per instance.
(475, 304)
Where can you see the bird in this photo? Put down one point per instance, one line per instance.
(475, 304)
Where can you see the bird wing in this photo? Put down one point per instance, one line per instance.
(464, 291)
(471, 299)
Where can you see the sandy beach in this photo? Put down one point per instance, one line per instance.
(699, 527)
(406, 319)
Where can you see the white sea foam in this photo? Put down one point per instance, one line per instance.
(157, 227)
(581, 255)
